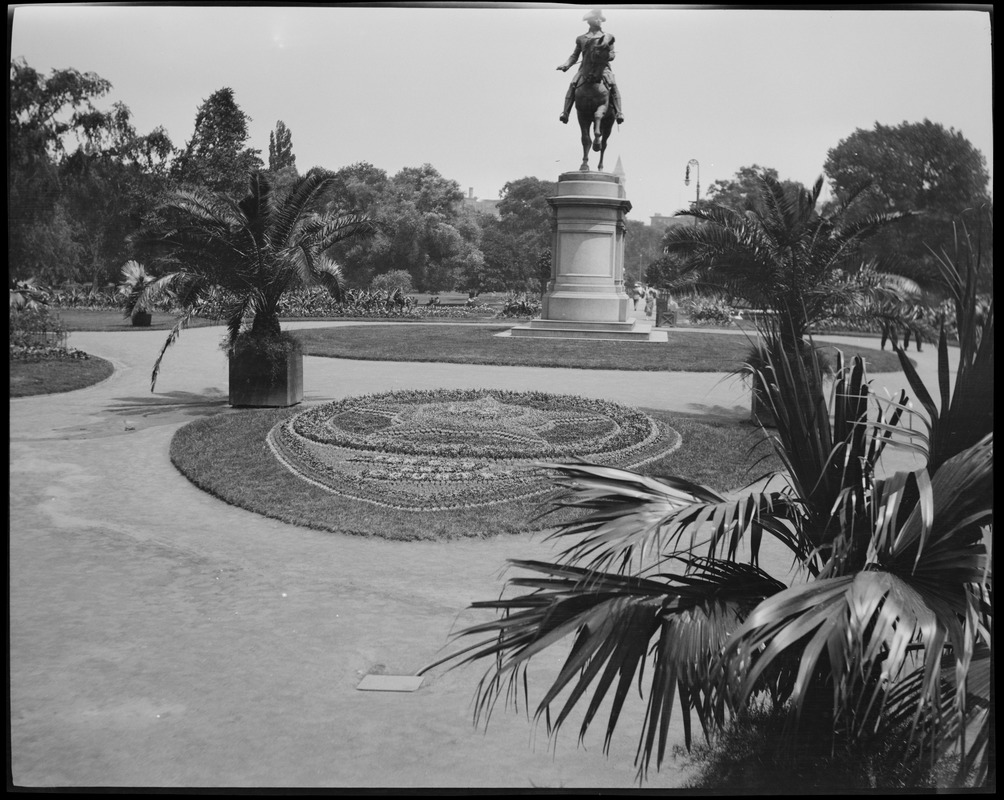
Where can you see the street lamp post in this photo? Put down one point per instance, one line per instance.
(686, 180)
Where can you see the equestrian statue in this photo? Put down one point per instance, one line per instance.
(594, 91)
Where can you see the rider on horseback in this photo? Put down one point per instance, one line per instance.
(593, 18)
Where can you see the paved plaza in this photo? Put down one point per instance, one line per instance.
(162, 638)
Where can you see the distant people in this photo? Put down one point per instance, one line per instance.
(650, 297)
(672, 311)
(638, 294)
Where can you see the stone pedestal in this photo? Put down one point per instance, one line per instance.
(585, 297)
(587, 268)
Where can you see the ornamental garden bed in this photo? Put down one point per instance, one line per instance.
(452, 449)
(443, 464)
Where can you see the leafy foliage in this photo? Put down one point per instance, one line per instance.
(420, 226)
(70, 208)
(135, 280)
(742, 192)
(642, 247)
(280, 148)
(395, 280)
(882, 637)
(917, 167)
(786, 257)
(216, 158)
(708, 310)
(520, 305)
(514, 243)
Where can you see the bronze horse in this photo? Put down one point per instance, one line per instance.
(592, 102)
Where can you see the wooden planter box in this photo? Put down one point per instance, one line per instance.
(142, 319)
(254, 384)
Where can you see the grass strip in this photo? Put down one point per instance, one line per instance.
(479, 344)
(50, 376)
(102, 320)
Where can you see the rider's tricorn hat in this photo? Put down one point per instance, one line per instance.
(595, 14)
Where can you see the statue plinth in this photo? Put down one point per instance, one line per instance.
(587, 269)
(585, 297)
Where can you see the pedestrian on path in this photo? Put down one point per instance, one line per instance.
(639, 293)
(650, 297)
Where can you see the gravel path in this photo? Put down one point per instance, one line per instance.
(161, 638)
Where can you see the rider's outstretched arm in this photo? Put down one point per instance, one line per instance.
(573, 57)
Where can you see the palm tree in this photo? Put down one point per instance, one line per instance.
(884, 634)
(135, 279)
(787, 257)
(249, 253)
(793, 261)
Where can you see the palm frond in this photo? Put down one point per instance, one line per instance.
(634, 521)
(614, 619)
(180, 324)
(304, 198)
(326, 231)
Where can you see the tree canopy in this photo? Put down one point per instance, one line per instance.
(514, 242)
(642, 247)
(421, 226)
(216, 157)
(79, 177)
(782, 254)
(742, 191)
(280, 148)
(919, 167)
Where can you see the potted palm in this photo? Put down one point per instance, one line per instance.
(137, 305)
(876, 650)
(244, 256)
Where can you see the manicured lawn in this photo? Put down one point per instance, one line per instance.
(479, 344)
(28, 378)
(86, 319)
(227, 456)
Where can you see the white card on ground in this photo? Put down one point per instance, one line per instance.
(390, 683)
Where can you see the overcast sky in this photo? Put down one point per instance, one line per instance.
(472, 88)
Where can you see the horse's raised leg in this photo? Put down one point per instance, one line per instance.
(584, 128)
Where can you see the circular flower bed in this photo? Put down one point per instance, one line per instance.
(448, 449)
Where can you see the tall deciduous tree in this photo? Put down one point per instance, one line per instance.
(514, 242)
(421, 226)
(70, 207)
(742, 191)
(42, 113)
(110, 183)
(919, 167)
(358, 187)
(642, 246)
(280, 148)
(216, 158)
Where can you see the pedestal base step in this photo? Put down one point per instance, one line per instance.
(629, 331)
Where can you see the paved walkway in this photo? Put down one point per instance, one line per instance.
(161, 638)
